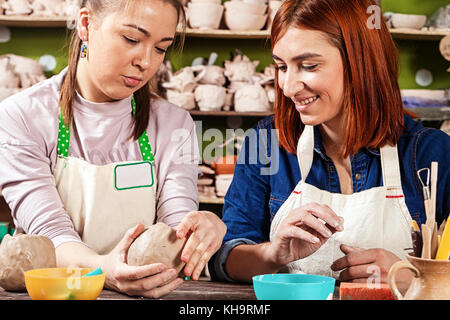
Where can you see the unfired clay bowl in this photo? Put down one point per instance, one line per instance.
(219, 2)
(411, 21)
(204, 15)
(245, 7)
(240, 21)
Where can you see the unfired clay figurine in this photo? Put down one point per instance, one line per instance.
(210, 97)
(184, 100)
(21, 253)
(184, 80)
(48, 8)
(158, 244)
(240, 68)
(17, 7)
(213, 75)
(8, 78)
(251, 98)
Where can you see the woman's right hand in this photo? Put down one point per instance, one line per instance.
(301, 233)
(150, 281)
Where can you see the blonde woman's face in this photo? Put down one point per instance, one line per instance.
(127, 48)
(311, 74)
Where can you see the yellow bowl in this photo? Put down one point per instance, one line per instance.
(63, 284)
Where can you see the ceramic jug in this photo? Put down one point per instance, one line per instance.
(431, 280)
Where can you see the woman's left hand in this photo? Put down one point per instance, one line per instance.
(371, 266)
(204, 231)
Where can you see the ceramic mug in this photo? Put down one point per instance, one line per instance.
(431, 280)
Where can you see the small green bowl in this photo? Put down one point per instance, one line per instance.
(3, 230)
(285, 286)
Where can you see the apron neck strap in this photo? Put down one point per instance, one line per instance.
(64, 138)
(389, 159)
(390, 166)
(305, 151)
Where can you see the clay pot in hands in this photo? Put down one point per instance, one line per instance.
(21, 253)
(210, 97)
(251, 98)
(158, 244)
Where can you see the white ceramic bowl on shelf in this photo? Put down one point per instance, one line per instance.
(412, 21)
(218, 2)
(241, 21)
(204, 15)
(245, 7)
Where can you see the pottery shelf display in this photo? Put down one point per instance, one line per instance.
(18, 73)
(216, 178)
(41, 8)
(209, 87)
(440, 20)
(236, 15)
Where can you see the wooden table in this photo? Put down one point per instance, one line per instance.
(189, 290)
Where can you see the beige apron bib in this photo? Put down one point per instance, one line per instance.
(101, 204)
(374, 218)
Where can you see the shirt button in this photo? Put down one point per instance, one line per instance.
(358, 176)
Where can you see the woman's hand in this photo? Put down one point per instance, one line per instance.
(302, 233)
(151, 281)
(371, 265)
(204, 231)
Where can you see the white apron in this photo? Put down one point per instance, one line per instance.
(374, 218)
(105, 201)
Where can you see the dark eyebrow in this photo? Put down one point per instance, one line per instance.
(147, 34)
(299, 57)
(138, 28)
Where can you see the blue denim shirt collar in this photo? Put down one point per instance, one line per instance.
(320, 150)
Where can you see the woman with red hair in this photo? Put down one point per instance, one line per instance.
(334, 189)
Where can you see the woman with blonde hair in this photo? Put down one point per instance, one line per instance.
(342, 188)
(90, 156)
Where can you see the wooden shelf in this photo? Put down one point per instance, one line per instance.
(229, 113)
(229, 34)
(210, 200)
(432, 114)
(36, 21)
(33, 21)
(412, 34)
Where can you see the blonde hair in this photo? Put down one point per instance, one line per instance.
(144, 95)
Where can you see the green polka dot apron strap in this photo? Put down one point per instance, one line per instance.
(64, 139)
(104, 201)
(144, 142)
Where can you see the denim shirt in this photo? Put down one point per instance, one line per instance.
(263, 180)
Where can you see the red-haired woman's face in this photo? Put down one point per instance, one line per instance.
(311, 74)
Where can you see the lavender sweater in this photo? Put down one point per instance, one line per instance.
(28, 151)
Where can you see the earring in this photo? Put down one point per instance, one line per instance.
(84, 50)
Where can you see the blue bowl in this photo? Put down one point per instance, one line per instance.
(286, 286)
